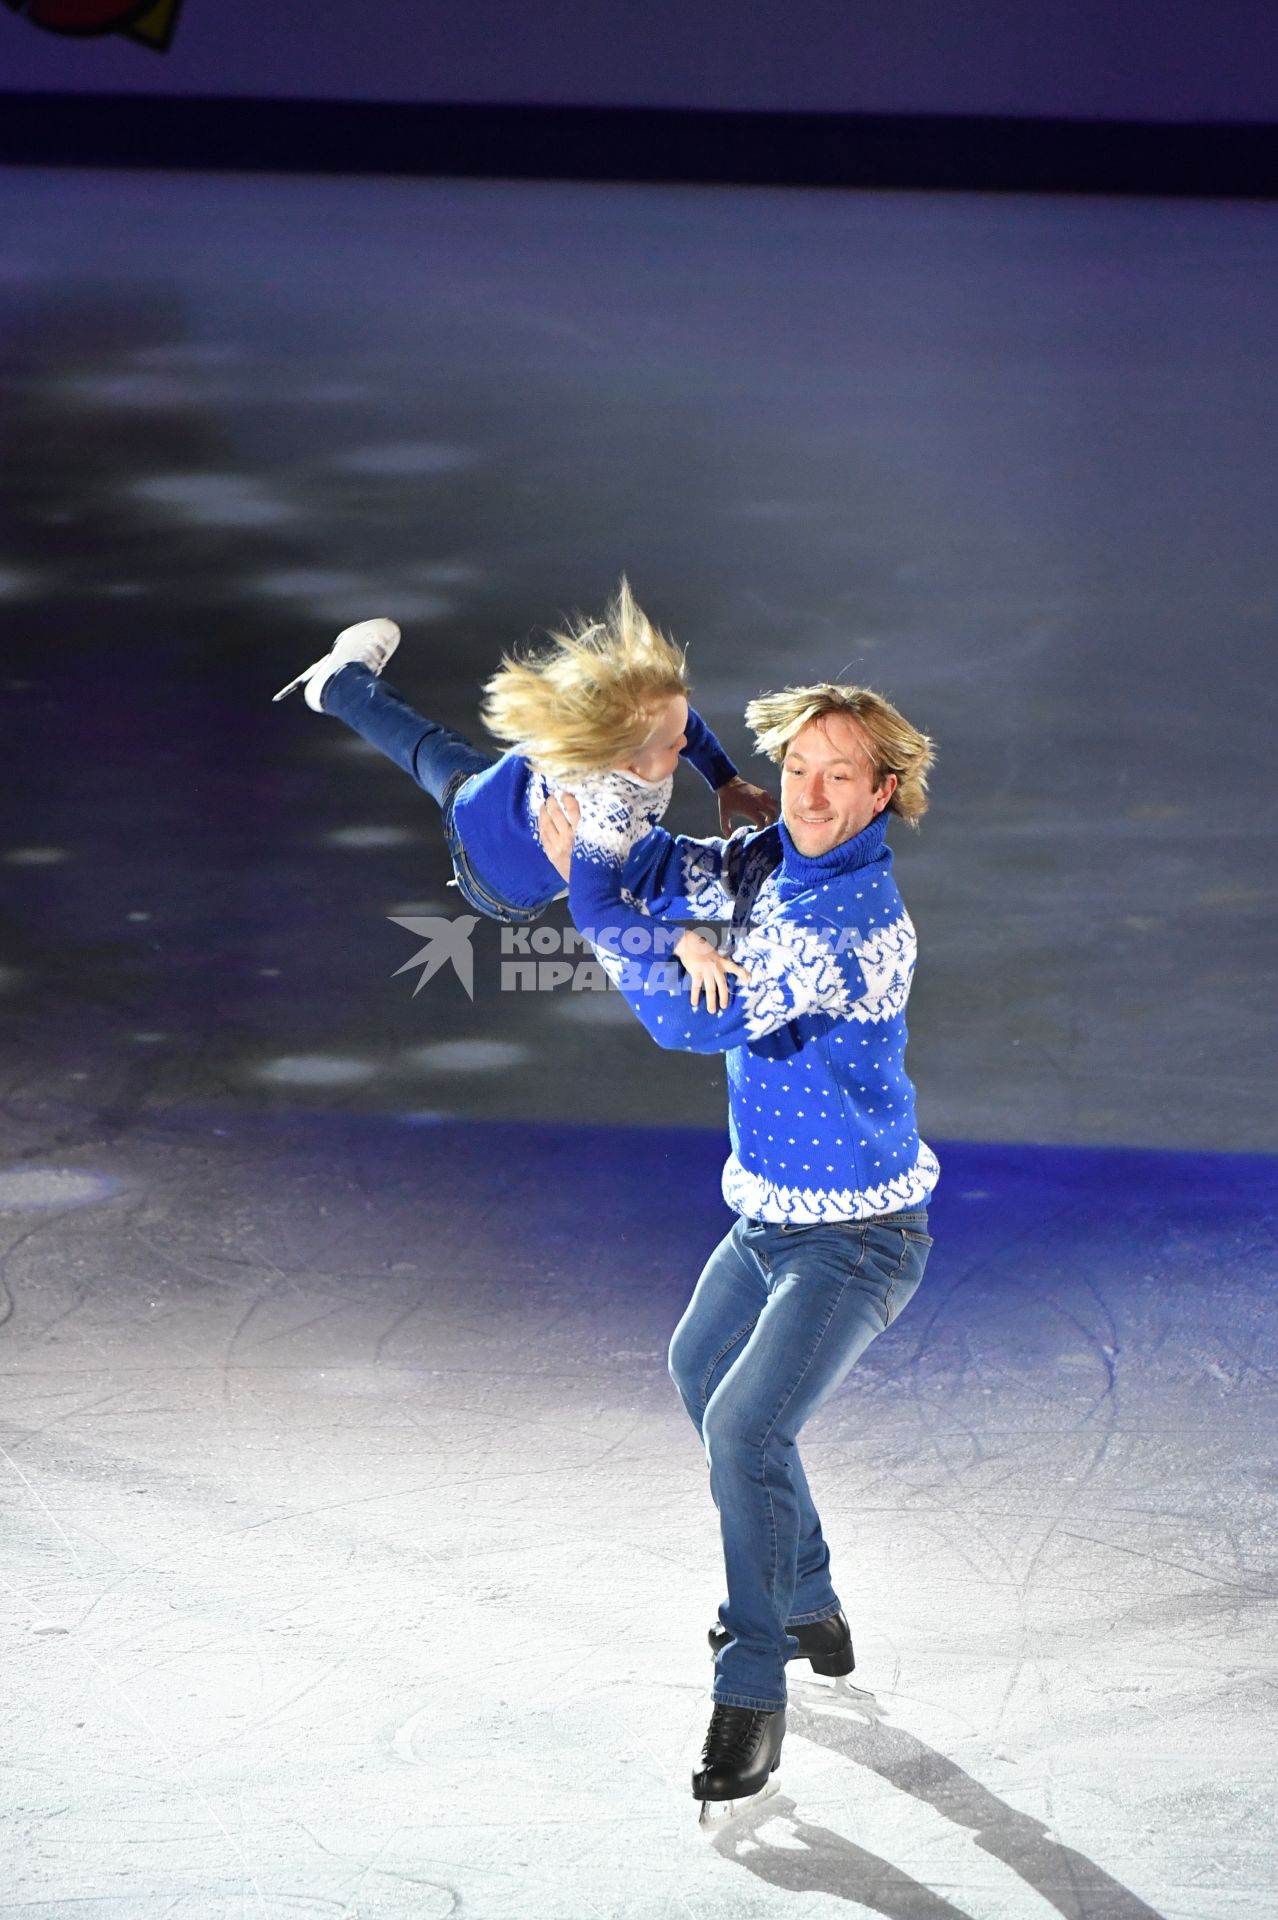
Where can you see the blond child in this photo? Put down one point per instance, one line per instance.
(601, 714)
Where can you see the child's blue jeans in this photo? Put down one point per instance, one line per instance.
(439, 760)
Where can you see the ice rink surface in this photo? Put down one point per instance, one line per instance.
(1013, 461)
(357, 1555)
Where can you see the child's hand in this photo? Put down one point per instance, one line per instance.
(557, 825)
(708, 969)
(737, 797)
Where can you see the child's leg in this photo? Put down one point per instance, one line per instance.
(436, 758)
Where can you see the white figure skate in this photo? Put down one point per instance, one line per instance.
(369, 644)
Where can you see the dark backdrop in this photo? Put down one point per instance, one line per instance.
(1076, 58)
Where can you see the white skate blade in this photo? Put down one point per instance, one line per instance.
(717, 1814)
(293, 685)
(837, 1697)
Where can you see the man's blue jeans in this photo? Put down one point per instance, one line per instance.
(439, 761)
(778, 1318)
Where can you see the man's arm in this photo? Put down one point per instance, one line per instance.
(618, 918)
(793, 968)
(681, 878)
(677, 878)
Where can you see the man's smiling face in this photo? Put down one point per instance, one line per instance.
(828, 790)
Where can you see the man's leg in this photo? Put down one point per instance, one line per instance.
(830, 1292)
(814, 1596)
(726, 1303)
(436, 758)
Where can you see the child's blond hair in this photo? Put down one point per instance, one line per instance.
(590, 700)
(892, 745)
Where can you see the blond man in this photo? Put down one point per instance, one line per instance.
(827, 1173)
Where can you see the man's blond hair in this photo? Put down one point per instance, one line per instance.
(589, 701)
(892, 745)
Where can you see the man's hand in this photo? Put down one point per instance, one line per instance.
(708, 969)
(739, 799)
(557, 825)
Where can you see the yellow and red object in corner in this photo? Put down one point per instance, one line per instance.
(151, 22)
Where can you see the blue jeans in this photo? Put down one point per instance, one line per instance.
(439, 761)
(778, 1318)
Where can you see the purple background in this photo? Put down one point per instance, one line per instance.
(1087, 58)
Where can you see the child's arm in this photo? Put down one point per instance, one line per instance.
(738, 798)
(702, 751)
(741, 800)
(707, 970)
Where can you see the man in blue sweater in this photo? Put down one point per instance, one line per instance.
(827, 1172)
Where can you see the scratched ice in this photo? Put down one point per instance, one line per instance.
(357, 1551)
(357, 1557)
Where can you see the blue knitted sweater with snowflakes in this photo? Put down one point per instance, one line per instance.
(495, 815)
(820, 1108)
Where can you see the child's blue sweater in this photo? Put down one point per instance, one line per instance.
(821, 1111)
(495, 815)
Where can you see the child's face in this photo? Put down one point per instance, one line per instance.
(659, 755)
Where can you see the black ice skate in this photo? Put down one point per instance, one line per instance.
(826, 1643)
(741, 1753)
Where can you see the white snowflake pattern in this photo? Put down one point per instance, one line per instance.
(616, 810)
(703, 879)
(757, 897)
(793, 969)
(759, 1198)
(887, 960)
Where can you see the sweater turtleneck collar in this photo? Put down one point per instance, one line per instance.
(864, 848)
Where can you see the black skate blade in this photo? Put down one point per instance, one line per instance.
(716, 1815)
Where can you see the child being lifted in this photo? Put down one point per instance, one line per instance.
(601, 714)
